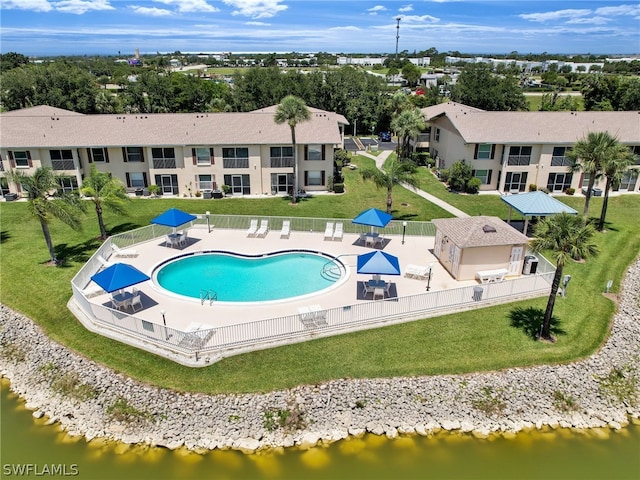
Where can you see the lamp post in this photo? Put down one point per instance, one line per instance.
(164, 321)
(208, 221)
(429, 277)
(404, 230)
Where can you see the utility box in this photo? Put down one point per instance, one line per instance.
(477, 294)
(530, 265)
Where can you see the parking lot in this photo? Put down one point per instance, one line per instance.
(352, 145)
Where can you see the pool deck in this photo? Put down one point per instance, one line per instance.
(184, 314)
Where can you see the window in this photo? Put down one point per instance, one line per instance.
(559, 157)
(68, 184)
(636, 152)
(20, 159)
(202, 156)
(585, 180)
(485, 151)
(437, 135)
(98, 155)
(559, 182)
(515, 182)
(136, 179)
(235, 157)
(163, 157)
(314, 178)
(281, 183)
(168, 184)
(205, 182)
(132, 154)
(281, 157)
(240, 184)
(314, 152)
(519, 155)
(61, 159)
(628, 181)
(483, 175)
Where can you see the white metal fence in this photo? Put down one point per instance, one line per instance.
(208, 345)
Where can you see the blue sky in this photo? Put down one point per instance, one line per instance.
(65, 27)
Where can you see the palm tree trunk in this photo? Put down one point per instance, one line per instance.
(294, 193)
(605, 204)
(103, 230)
(47, 238)
(587, 197)
(545, 333)
(389, 199)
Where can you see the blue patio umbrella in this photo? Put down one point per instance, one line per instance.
(373, 217)
(119, 276)
(173, 218)
(378, 263)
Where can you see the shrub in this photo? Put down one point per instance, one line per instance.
(443, 175)
(154, 190)
(341, 157)
(226, 189)
(473, 185)
(459, 175)
(120, 410)
(338, 187)
(198, 193)
(533, 187)
(570, 191)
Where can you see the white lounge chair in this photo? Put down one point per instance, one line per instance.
(264, 228)
(286, 229)
(338, 232)
(103, 261)
(127, 252)
(253, 228)
(328, 231)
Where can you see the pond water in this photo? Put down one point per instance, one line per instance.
(559, 454)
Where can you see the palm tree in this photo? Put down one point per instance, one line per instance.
(407, 125)
(394, 173)
(589, 155)
(105, 192)
(292, 110)
(567, 237)
(45, 202)
(613, 169)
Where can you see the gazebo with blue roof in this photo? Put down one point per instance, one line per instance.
(535, 204)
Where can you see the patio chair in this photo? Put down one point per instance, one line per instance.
(136, 301)
(338, 232)
(286, 229)
(328, 231)
(253, 228)
(264, 228)
(127, 252)
(183, 239)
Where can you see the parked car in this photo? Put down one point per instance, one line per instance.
(384, 136)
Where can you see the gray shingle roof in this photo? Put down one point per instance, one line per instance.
(471, 232)
(41, 127)
(477, 126)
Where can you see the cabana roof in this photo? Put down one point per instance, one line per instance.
(536, 204)
(480, 231)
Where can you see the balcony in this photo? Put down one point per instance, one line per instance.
(164, 163)
(560, 161)
(235, 163)
(62, 165)
(281, 162)
(519, 160)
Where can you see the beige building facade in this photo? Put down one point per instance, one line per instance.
(509, 151)
(184, 154)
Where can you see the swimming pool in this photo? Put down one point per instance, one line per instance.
(233, 277)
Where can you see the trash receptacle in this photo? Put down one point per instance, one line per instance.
(139, 192)
(596, 192)
(477, 294)
(10, 197)
(217, 194)
(530, 265)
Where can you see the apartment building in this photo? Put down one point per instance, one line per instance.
(509, 151)
(182, 153)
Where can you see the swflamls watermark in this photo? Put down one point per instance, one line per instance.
(40, 470)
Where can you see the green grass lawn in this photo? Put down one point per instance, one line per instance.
(464, 342)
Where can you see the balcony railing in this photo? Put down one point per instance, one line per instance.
(62, 165)
(560, 161)
(235, 162)
(519, 160)
(164, 163)
(281, 162)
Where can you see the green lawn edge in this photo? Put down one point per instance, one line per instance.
(479, 340)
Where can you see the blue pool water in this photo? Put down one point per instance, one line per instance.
(247, 279)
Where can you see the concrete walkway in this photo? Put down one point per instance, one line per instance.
(380, 159)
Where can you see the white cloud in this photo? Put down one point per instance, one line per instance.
(415, 19)
(82, 6)
(376, 9)
(570, 13)
(406, 8)
(257, 24)
(152, 12)
(350, 28)
(33, 5)
(589, 20)
(185, 6)
(619, 10)
(256, 8)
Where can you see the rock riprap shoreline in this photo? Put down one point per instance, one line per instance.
(91, 400)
